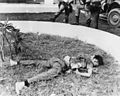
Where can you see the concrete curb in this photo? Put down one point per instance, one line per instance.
(104, 40)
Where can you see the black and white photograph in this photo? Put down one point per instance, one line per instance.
(59, 47)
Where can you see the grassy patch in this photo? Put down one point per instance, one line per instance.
(44, 46)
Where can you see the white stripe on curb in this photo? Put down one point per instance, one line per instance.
(104, 40)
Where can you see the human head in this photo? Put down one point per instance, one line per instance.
(97, 60)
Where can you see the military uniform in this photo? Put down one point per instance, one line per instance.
(55, 66)
(80, 4)
(64, 5)
(94, 7)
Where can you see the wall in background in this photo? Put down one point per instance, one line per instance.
(21, 1)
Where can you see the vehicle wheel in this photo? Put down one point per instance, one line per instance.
(114, 17)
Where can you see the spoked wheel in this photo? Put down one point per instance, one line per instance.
(114, 17)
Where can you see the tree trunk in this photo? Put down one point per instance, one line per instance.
(2, 49)
(9, 45)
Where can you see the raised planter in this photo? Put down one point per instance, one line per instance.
(104, 40)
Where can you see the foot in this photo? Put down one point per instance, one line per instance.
(19, 86)
(12, 62)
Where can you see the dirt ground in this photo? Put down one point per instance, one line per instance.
(105, 83)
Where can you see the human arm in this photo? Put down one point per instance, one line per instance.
(73, 68)
(69, 71)
(88, 73)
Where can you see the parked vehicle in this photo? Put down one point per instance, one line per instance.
(111, 12)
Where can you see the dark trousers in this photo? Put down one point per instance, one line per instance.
(63, 7)
(94, 18)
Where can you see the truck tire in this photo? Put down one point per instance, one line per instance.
(114, 17)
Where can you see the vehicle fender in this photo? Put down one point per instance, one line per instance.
(117, 1)
(114, 5)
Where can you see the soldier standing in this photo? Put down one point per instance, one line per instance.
(94, 8)
(64, 5)
(80, 4)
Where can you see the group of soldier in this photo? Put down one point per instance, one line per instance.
(92, 8)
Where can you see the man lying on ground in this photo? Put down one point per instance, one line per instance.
(55, 67)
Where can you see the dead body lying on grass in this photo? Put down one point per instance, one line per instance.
(83, 66)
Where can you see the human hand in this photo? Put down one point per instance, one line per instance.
(77, 71)
(69, 71)
(79, 65)
(73, 66)
(95, 70)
